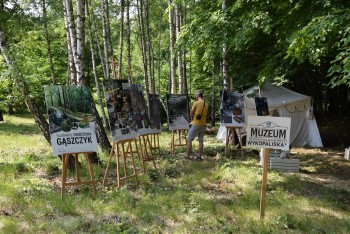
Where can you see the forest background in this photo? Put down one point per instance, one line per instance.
(173, 47)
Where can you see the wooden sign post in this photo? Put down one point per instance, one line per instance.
(268, 133)
(264, 183)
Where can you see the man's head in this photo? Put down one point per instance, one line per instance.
(199, 94)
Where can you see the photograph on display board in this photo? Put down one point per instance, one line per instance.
(140, 110)
(118, 99)
(177, 111)
(262, 108)
(71, 122)
(154, 112)
(231, 109)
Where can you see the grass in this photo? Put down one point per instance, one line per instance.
(217, 195)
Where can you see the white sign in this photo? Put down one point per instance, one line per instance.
(75, 141)
(268, 132)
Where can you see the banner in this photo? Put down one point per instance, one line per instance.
(71, 122)
(177, 111)
(231, 109)
(268, 132)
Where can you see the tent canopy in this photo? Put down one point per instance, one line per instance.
(287, 103)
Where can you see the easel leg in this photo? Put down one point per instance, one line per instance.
(150, 150)
(77, 169)
(142, 155)
(64, 174)
(227, 140)
(118, 165)
(240, 140)
(172, 141)
(91, 170)
(108, 164)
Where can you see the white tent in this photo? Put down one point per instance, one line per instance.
(287, 103)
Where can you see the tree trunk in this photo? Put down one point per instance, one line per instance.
(99, 49)
(105, 38)
(143, 43)
(121, 37)
(128, 42)
(48, 42)
(179, 53)
(172, 71)
(72, 34)
(80, 55)
(101, 133)
(149, 49)
(22, 87)
(71, 62)
(98, 89)
(226, 81)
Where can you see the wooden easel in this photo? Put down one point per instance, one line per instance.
(264, 184)
(179, 139)
(146, 151)
(154, 142)
(65, 158)
(231, 130)
(122, 149)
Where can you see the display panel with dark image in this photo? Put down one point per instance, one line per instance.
(231, 108)
(262, 108)
(177, 111)
(140, 110)
(154, 112)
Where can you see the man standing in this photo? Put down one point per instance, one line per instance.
(199, 111)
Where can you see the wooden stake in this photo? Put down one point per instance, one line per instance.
(264, 183)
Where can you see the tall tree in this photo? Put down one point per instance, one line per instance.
(121, 40)
(48, 42)
(23, 87)
(143, 42)
(172, 70)
(93, 60)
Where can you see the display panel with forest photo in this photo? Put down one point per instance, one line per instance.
(72, 124)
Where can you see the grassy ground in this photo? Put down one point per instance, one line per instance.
(217, 195)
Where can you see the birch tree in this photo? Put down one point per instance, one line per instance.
(121, 39)
(172, 71)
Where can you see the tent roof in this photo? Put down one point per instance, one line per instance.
(277, 96)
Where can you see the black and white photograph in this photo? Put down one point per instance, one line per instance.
(154, 112)
(262, 108)
(177, 111)
(140, 110)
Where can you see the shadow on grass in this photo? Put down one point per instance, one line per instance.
(9, 127)
(332, 197)
(330, 164)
